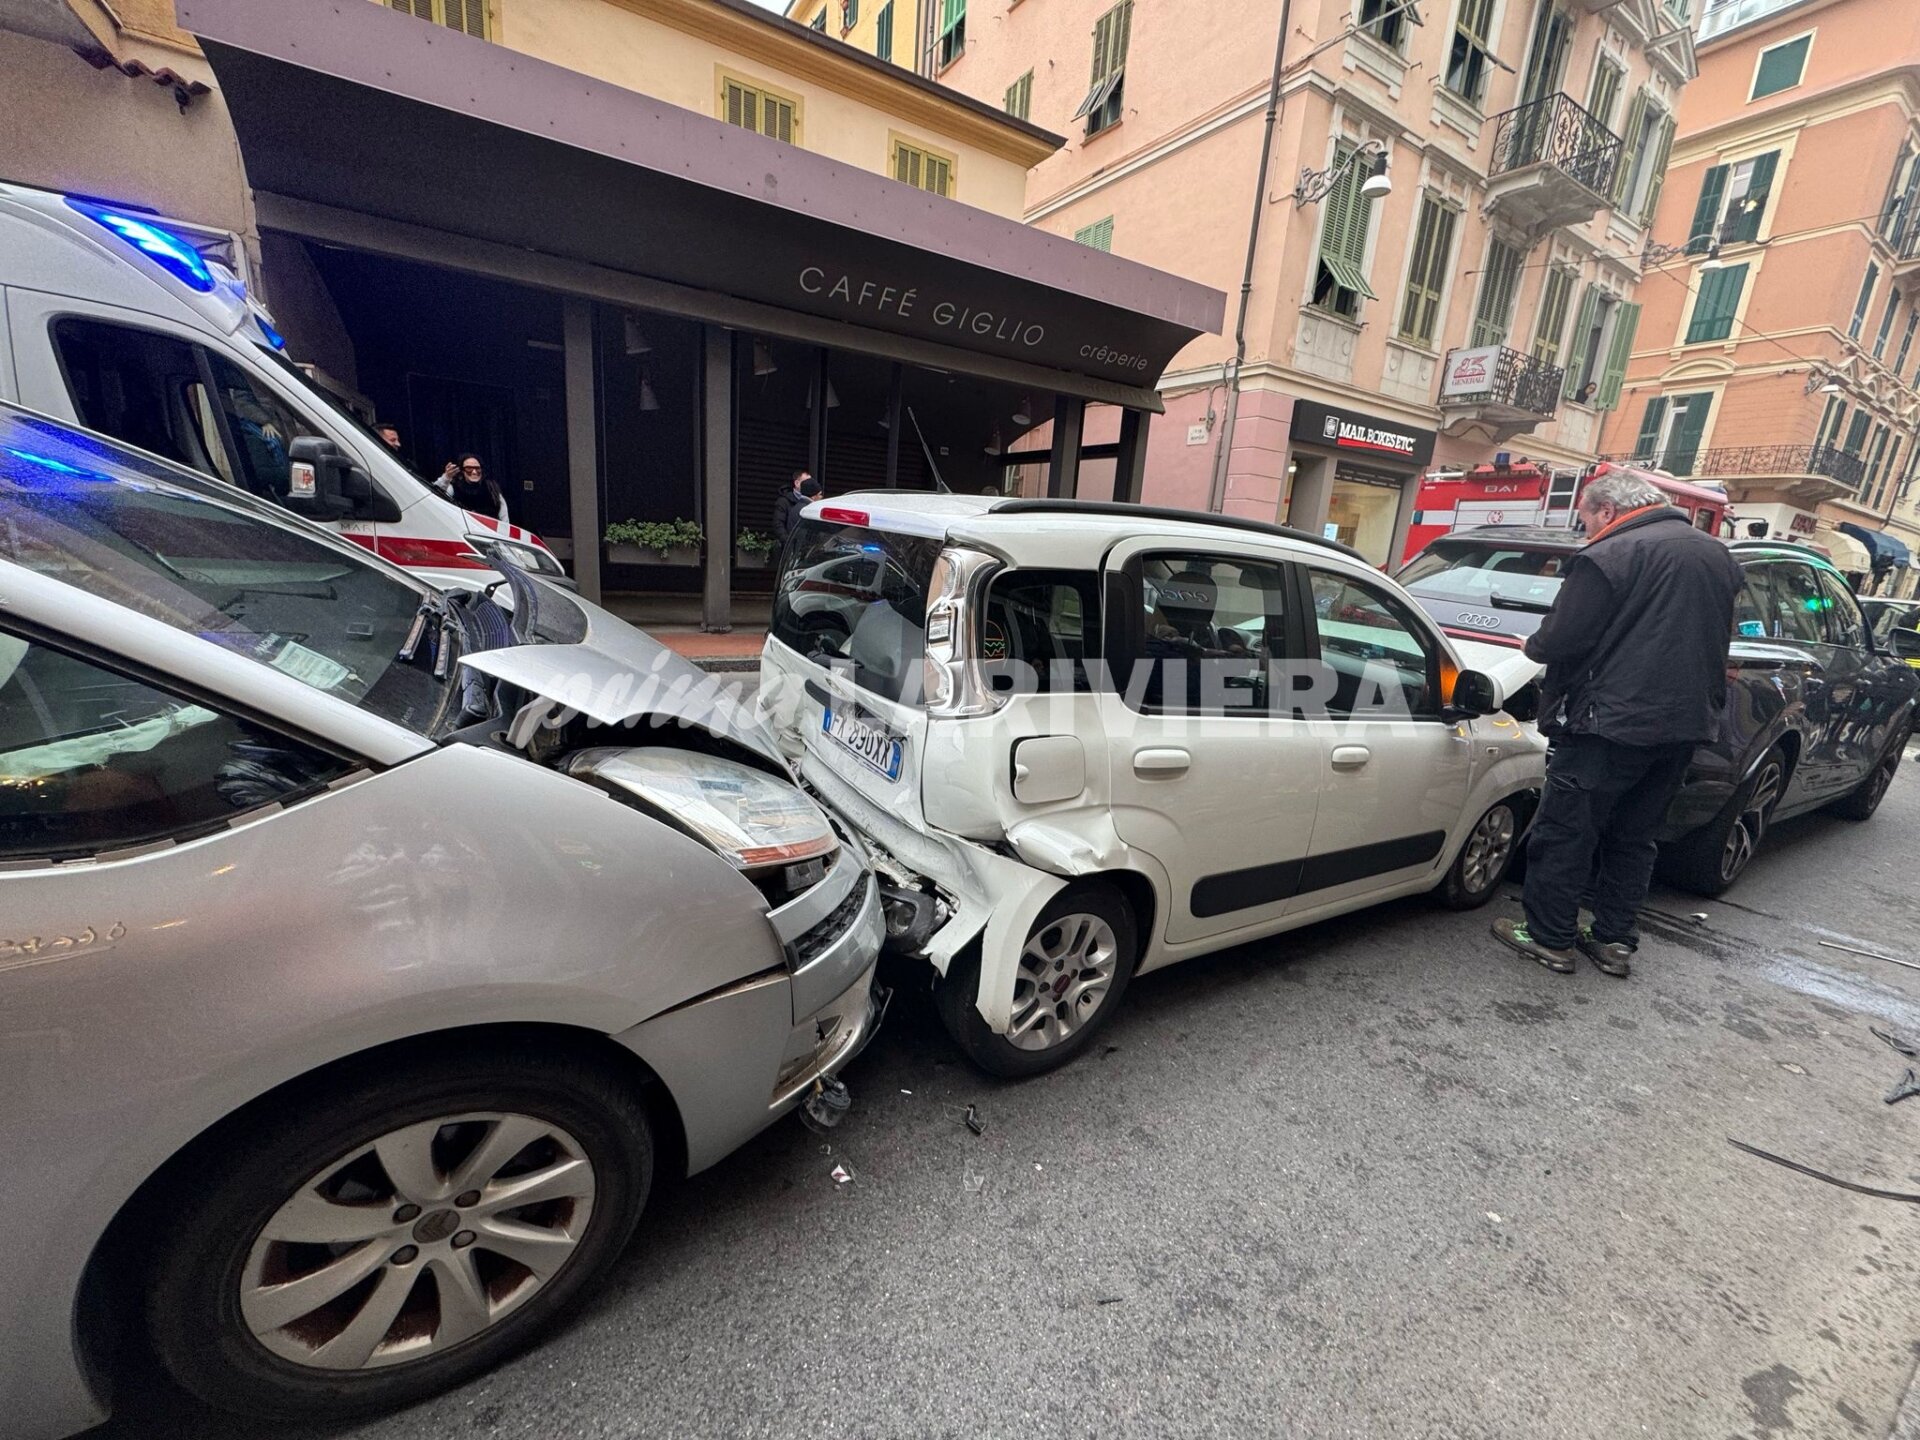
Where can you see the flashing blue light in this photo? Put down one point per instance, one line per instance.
(57, 467)
(273, 336)
(872, 549)
(162, 246)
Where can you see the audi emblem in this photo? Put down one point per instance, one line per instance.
(1479, 621)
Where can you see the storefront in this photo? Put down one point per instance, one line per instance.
(677, 313)
(1353, 477)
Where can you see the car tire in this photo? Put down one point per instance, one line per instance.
(1090, 922)
(1710, 859)
(1484, 859)
(1860, 802)
(219, 1301)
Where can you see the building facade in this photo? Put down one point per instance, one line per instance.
(923, 35)
(1776, 352)
(1485, 306)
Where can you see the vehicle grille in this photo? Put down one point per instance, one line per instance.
(815, 942)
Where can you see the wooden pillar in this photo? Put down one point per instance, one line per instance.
(1130, 466)
(716, 451)
(1063, 465)
(583, 448)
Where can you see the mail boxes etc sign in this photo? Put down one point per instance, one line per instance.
(1368, 435)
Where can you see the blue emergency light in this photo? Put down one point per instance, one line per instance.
(162, 246)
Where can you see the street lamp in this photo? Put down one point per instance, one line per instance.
(1316, 185)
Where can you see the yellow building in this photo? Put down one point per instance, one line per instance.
(917, 34)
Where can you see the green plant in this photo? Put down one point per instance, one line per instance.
(660, 535)
(755, 543)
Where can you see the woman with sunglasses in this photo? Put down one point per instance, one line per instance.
(466, 483)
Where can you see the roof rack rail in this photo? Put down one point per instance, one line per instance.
(1165, 512)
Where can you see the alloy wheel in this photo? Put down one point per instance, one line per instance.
(1488, 849)
(1750, 826)
(1066, 971)
(417, 1241)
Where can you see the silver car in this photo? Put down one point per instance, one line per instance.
(364, 951)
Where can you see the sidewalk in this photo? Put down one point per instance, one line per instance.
(674, 620)
(738, 649)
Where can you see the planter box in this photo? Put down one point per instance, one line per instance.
(684, 556)
(751, 559)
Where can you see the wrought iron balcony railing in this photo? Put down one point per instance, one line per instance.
(1556, 130)
(1514, 378)
(1739, 461)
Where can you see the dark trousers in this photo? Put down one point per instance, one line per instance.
(1594, 836)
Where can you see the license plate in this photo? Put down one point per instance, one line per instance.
(875, 746)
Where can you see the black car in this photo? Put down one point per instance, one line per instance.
(1818, 711)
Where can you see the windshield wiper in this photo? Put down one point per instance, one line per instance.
(433, 609)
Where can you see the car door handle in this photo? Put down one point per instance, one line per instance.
(1350, 757)
(1161, 762)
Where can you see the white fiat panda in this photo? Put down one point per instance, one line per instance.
(1087, 740)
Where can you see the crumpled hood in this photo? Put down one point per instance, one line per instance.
(620, 676)
(1506, 665)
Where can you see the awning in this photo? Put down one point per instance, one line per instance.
(1887, 551)
(1849, 554)
(361, 108)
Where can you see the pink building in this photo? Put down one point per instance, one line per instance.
(1484, 306)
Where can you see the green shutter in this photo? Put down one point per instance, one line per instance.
(1615, 374)
(1417, 268)
(1098, 235)
(1706, 213)
(1493, 314)
(1650, 419)
(1713, 307)
(1102, 43)
(1662, 148)
(1589, 303)
(1550, 320)
(883, 33)
(1020, 96)
(1629, 151)
(1746, 225)
(1780, 68)
(952, 12)
(1684, 448)
(1606, 90)
(1857, 432)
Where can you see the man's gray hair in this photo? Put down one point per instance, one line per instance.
(1623, 492)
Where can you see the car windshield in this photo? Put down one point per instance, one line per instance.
(850, 594)
(109, 524)
(1479, 571)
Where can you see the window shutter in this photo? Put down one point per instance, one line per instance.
(418, 9)
(1437, 271)
(1102, 42)
(906, 165)
(938, 175)
(1746, 225)
(1615, 374)
(1589, 303)
(777, 118)
(1333, 223)
(1650, 418)
(1687, 431)
(1418, 266)
(1706, 214)
(1662, 142)
(1780, 67)
(1629, 150)
(1714, 306)
(1606, 90)
(883, 33)
(467, 16)
(1491, 316)
(1123, 32)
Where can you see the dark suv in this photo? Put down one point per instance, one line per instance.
(1818, 712)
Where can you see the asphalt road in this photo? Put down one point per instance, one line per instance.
(1379, 1178)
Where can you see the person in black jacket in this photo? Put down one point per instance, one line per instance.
(795, 498)
(1636, 655)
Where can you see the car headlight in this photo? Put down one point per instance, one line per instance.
(530, 558)
(763, 826)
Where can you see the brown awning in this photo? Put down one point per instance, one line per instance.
(359, 107)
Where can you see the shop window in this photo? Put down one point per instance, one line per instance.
(1382, 661)
(883, 32)
(1099, 234)
(1340, 280)
(1020, 96)
(1471, 54)
(1386, 21)
(920, 167)
(953, 31)
(1427, 271)
(1498, 283)
(1103, 105)
(1781, 67)
(1608, 76)
(469, 17)
(1733, 199)
(753, 106)
(1864, 301)
(1550, 321)
(1714, 304)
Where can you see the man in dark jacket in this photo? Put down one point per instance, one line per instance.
(1636, 655)
(795, 498)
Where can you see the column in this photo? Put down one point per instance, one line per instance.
(583, 432)
(1130, 467)
(716, 450)
(1063, 465)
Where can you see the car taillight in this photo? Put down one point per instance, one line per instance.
(841, 516)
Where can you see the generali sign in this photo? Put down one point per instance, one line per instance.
(1469, 372)
(1367, 434)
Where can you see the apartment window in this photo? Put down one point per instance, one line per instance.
(1340, 279)
(1906, 338)
(1780, 67)
(1099, 234)
(754, 107)
(1829, 420)
(1903, 192)
(920, 167)
(849, 15)
(953, 31)
(1498, 282)
(820, 21)
(1550, 321)
(1681, 11)
(883, 32)
(1671, 428)
(1608, 75)
(1105, 90)
(1602, 341)
(1733, 200)
(1385, 21)
(1873, 482)
(1861, 305)
(1547, 54)
(1714, 303)
(1886, 324)
(1471, 54)
(1856, 433)
(469, 17)
(1020, 96)
(1427, 272)
(1643, 160)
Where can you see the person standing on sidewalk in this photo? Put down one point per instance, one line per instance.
(1636, 655)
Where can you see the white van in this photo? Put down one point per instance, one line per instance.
(140, 328)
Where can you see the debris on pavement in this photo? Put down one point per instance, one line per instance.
(1109, 1299)
(842, 1175)
(976, 1122)
(826, 1105)
(1870, 954)
(1792, 1069)
(972, 1182)
(1699, 917)
(1858, 1189)
(1908, 1048)
(1905, 1088)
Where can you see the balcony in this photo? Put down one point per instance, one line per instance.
(1904, 236)
(1495, 393)
(1805, 474)
(1724, 15)
(1553, 164)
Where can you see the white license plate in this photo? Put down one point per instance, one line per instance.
(872, 744)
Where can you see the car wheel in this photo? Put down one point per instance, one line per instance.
(392, 1232)
(1708, 861)
(1074, 968)
(1482, 863)
(1864, 799)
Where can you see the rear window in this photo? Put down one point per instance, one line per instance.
(857, 599)
(1475, 573)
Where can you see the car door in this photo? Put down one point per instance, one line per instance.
(1208, 772)
(1861, 705)
(1798, 604)
(1397, 775)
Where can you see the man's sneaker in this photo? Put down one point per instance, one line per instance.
(1513, 933)
(1610, 957)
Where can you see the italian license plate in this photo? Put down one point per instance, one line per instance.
(876, 746)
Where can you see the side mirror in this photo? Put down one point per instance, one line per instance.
(1905, 644)
(1473, 694)
(317, 479)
